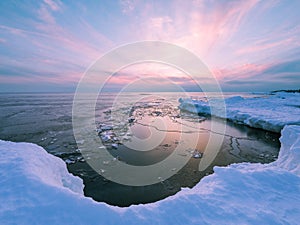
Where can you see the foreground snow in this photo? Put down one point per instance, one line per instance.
(35, 188)
(272, 112)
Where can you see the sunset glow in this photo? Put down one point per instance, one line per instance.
(248, 45)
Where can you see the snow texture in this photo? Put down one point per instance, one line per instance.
(270, 112)
(36, 188)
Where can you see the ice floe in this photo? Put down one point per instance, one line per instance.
(269, 112)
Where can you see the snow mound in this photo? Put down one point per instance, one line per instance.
(32, 162)
(289, 155)
(36, 188)
(271, 112)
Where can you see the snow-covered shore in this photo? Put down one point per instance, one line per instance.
(271, 112)
(36, 188)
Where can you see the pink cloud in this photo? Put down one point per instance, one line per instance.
(50, 29)
(128, 6)
(54, 5)
(148, 80)
(150, 75)
(35, 79)
(159, 22)
(13, 30)
(45, 15)
(240, 71)
(194, 26)
(255, 48)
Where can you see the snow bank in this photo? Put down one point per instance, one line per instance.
(271, 112)
(289, 155)
(35, 188)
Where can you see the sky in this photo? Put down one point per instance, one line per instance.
(251, 45)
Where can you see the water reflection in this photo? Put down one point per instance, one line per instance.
(46, 119)
(154, 116)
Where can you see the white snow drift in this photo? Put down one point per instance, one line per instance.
(270, 112)
(35, 188)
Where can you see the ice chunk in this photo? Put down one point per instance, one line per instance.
(271, 112)
(114, 146)
(197, 155)
(105, 137)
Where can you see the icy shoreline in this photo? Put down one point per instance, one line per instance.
(36, 188)
(272, 112)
